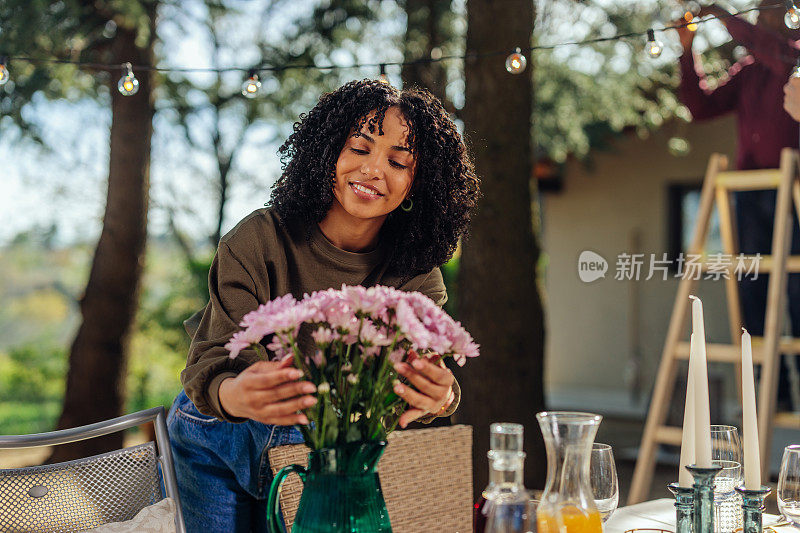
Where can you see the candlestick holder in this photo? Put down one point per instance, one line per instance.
(753, 507)
(684, 498)
(703, 519)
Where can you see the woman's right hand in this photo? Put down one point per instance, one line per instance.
(267, 392)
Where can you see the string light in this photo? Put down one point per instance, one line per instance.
(128, 84)
(4, 75)
(251, 86)
(792, 17)
(689, 17)
(653, 47)
(516, 62)
(383, 78)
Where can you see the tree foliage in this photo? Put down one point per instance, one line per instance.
(585, 95)
(66, 29)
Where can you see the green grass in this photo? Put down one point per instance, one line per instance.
(19, 418)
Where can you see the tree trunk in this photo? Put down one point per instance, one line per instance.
(98, 358)
(423, 34)
(499, 300)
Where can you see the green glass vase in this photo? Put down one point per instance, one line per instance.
(341, 493)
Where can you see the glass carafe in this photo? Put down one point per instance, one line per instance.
(567, 504)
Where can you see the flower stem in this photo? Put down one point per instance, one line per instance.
(298, 357)
(321, 424)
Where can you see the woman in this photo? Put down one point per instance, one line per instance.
(376, 188)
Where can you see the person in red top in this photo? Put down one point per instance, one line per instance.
(753, 90)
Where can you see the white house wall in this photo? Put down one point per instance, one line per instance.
(603, 208)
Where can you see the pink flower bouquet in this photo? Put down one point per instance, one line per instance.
(358, 334)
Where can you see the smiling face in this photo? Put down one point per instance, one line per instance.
(374, 172)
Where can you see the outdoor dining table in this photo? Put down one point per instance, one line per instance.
(660, 514)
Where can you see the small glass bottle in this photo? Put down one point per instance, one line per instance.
(506, 461)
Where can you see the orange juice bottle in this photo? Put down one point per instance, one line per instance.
(574, 520)
(567, 504)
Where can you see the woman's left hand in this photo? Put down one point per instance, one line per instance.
(432, 390)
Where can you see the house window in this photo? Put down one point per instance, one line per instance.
(683, 208)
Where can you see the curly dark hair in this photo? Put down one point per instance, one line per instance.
(445, 187)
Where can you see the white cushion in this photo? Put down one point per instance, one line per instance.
(156, 518)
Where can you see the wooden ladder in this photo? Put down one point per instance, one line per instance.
(718, 186)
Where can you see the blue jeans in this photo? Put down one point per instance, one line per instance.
(222, 468)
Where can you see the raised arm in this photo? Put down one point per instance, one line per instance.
(771, 49)
(693, 91)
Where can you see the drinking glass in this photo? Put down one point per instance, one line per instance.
(789, 485)
(726, 451)
(603, 477)
(513, 514)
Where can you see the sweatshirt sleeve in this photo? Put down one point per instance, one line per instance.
(232, 294)
(770, 49)
(694, 94)
(430, 284)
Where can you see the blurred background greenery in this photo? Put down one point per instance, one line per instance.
(40, 287)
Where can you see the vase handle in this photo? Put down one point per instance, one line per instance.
(273, 502)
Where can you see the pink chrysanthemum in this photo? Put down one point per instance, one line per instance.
(356, 315)
(323, 336)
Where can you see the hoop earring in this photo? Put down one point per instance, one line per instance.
(407, 207)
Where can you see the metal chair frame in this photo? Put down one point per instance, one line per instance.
(156, 415)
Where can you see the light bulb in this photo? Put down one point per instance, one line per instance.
(679, 146)
(4, 74)
(653, 47)
(516, 62)
(689, 17)
(128, 84)
(792, 16)
(251, 86)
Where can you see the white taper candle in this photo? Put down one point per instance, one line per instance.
(687, 440)
(702, 414)
(752, 456)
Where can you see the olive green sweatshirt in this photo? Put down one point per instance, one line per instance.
(261, 259)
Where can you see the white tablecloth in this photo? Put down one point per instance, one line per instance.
(659, 514)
